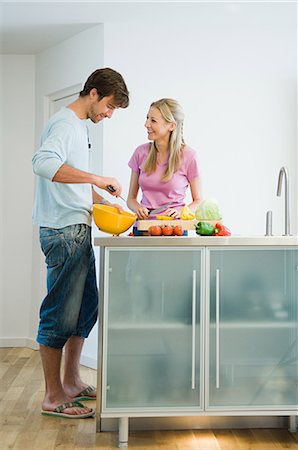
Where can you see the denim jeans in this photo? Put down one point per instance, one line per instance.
(70, 306)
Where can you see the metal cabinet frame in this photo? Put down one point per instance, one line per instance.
(123, 415)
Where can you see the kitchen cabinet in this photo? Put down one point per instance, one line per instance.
(197, 327)
(252, 329)
(153, 334)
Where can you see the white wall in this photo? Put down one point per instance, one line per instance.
(234, 72)
(17, 190)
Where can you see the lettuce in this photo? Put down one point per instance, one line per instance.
(208, 210)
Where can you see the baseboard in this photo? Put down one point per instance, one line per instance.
(19, 342)
(31, 343)
(88, 361)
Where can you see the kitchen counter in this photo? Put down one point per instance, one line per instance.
(199, 241)
(197, 327)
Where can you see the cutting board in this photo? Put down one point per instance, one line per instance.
(143, 225)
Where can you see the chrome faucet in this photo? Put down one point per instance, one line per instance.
(285, 173)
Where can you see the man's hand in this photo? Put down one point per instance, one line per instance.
(104, 182)
(116, 205)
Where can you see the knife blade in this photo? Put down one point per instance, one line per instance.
(161, 208)
(112, 189)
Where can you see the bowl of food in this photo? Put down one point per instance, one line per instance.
(110, 220)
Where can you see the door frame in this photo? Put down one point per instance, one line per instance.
(58, 95)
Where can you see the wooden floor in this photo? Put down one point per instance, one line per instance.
(23, 427)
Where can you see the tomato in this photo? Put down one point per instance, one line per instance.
(167, 230)
(155, 230)
(178, 230)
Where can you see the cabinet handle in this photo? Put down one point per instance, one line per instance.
(217, 310)
(193, 330)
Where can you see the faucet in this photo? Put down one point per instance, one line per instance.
(284, 173)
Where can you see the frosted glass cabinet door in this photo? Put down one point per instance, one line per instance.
(253, 348)
(153, 334)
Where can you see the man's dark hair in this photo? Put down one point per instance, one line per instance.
(107, 82)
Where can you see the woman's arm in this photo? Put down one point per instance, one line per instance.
(132, 202)
(195, 189)
(196, 199)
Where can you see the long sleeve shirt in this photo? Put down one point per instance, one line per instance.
(64, 141)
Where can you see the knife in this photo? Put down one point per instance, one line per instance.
(152, 211)
(112, 189)
(161, 208)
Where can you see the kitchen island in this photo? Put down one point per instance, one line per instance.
(197, 326)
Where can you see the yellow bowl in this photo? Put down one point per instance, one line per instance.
(110, 220)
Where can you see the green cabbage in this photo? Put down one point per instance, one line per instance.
(208, 210)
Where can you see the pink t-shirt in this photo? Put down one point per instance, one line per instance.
(156, 192)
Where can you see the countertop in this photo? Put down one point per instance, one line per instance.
(198, 241)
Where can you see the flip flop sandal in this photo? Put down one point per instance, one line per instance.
(84, 394)
(58, 411)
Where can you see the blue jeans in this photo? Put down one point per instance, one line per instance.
(71, 304)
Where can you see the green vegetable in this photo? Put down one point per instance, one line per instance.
(208, 210)
(205, 229)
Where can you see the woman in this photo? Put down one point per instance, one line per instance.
(164, 168)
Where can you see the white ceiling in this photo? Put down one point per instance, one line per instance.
(31, 27)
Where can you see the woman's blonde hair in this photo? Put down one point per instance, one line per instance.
(171, 111)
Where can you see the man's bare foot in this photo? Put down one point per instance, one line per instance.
(80, 391)
(65, 406)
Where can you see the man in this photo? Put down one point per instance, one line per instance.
(62, 209)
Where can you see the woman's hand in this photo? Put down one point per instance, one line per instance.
(142, 213)
(172, 213)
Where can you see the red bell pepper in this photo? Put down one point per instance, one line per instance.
(221, 230)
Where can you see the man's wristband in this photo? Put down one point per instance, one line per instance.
(103, 201)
